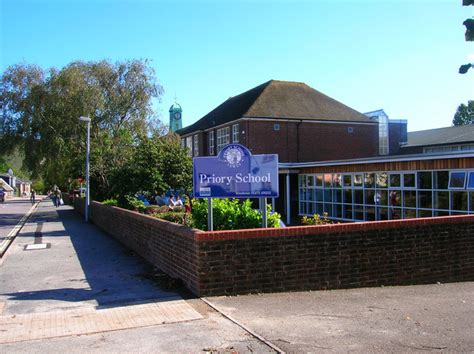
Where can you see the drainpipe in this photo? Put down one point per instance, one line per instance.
(288, 202)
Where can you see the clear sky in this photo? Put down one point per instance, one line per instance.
(399, 55)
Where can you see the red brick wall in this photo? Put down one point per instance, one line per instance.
(299, 142)
(414, 251)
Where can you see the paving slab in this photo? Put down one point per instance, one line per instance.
(16, 328)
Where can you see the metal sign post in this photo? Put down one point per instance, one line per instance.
(263, 209)
(210, 218)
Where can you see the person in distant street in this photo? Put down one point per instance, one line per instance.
(57, 197)
(33, 196)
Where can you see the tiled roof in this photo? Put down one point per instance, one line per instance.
(441, 136)
(278, 99)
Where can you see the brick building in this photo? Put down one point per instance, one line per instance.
(334, 159)
(286, 118)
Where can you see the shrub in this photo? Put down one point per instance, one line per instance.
(231, 215)
(316, 219)
(132, 203)
(112, 202)
(176, 217)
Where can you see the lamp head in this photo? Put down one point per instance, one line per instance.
(85, 119)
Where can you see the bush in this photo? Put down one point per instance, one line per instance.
(231, 215)
(176, 217)
(316, 219)
(112, 202)
(132, 203)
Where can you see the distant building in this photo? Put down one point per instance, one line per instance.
(176, 119)
(442, 140)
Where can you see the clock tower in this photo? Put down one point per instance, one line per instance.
(176, 119)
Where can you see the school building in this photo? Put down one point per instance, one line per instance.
(335, 160)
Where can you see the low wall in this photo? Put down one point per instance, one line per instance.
(415, 251)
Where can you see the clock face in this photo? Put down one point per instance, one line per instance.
(177, 115)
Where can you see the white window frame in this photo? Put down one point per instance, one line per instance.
(211, 143)
(223, 138)
(189, 145)
(196, 145)
(235, 133)
(457, 188)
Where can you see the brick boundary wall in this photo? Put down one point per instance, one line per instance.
(399, 252)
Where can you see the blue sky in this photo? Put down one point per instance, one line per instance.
(401, 56)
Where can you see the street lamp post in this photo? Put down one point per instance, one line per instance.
(88, 120)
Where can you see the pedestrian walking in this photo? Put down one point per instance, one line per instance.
(33, 196)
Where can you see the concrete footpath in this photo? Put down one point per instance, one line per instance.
(66, 286)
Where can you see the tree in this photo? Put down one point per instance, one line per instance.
(159, 163)
(464, 114)
(469, 35)
(40, 111)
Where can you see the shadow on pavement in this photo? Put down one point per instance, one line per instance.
(112, 275)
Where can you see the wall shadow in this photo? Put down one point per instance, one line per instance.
(112, 274)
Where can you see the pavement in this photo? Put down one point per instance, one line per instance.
(67, 286)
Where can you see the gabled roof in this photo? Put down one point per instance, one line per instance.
(5, 185)
(442, 136)
(278, 99)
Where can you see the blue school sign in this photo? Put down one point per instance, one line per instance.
(236, 173)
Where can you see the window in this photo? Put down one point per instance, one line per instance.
(276, 127)
(223, 138)
(235, 133)
(457, 180)
(470, 184)
(189, 145)
(383, 135)
(183, 143)
(409, 180)
(211, 143)
(196, 145)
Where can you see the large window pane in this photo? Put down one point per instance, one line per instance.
(370, 214)
(395, 198)
(309, 181)
(409, 213)
(327, 181)
(409, 180)
(383, 197)
(369, 197)
(424, 180)
(337, 195)
(409, 199)
(369, 180)
(347, 209)
(347, 180)
(328, 195)
(395, 180)
(441, 200)
(441, 179)
(357, 180)
(319, 195)
(336, 181)
(425, 199)
(358, 196)
(319, 180)
(459, 201)
(382, 180)
(471, 201)
(347, 195)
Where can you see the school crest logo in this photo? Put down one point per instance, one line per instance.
(234, 156)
